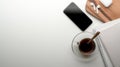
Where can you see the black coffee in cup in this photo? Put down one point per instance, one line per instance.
(85, 47)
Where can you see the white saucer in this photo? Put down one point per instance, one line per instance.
(75, 46)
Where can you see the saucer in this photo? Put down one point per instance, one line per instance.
(75, 47)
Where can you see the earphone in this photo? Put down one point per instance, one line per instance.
(93, 5)
(96, 8)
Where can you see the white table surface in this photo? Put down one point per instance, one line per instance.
(36, 33)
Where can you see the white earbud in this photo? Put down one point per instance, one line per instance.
(93, 5)
(97, 8)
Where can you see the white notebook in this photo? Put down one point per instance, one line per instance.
(110, 40)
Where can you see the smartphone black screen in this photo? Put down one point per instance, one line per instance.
(77, 16)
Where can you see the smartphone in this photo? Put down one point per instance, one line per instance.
(77, 16)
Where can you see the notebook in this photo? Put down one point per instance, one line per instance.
(110, 40)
